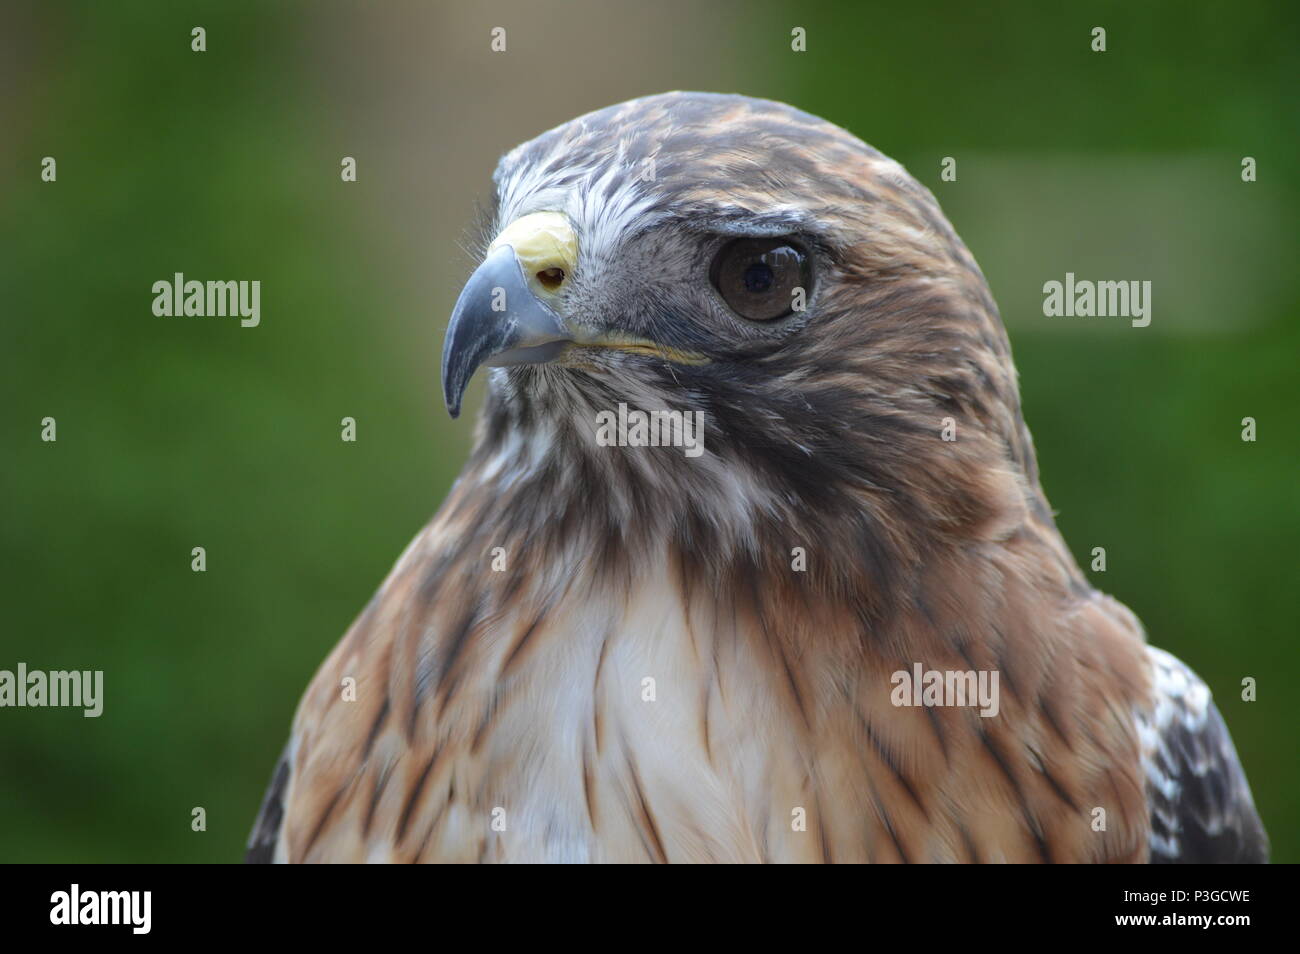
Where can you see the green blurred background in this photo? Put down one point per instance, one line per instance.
(225, 165)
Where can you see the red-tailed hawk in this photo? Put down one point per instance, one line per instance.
(750, 561)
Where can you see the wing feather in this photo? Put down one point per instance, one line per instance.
(1202, 811)
(265, 837)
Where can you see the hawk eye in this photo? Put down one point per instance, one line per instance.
(758, 277)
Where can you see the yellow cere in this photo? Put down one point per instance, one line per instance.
(542, 240)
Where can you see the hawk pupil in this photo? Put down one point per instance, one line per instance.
(758, 278)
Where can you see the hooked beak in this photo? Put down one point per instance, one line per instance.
(498, 321)
(504, 315)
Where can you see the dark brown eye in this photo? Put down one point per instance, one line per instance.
(761, 278)
(551, 278)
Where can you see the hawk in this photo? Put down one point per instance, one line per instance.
(610, 650)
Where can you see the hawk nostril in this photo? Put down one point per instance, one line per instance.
(551, 278)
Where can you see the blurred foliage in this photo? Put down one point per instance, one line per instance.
(181, 433)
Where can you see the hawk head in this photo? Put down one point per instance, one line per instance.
(746, 260)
